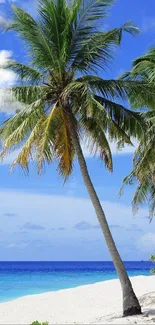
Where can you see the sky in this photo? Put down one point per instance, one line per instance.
(42, 219)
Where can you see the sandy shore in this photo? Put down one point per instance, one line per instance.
(99, 303)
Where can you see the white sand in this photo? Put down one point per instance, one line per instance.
(99, 303)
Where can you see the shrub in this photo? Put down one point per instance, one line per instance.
(152, 259)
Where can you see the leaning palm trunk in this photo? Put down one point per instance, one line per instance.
(131, 305)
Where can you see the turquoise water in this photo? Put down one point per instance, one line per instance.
(24, 278)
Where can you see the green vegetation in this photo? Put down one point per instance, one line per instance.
(144, 157)
(152, 259)
(66, 100)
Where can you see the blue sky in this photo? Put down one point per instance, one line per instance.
(40, 219)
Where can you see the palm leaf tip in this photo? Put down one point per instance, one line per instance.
(24, 72)
(130, 28)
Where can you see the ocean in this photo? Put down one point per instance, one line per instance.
(18, 279)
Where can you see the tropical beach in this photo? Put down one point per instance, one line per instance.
(72, 293)
(77, 133)
(98, 303)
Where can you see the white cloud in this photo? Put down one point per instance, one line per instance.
(147, 242)
(4, 22)
(8, 103)
(65, 213)
(7, 77)
(128, 149)
(8, 160)
(4, 56)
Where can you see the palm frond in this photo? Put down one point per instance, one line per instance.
(114, 119)
(150, 55)
(16, 129)
(55, 24)
(32, 34)
(144, 173)
(29, 94)
(94, 9)
(114, 131)
(64, 146)
(85, 15)
(143, 157)
(45, 143)
(98, 50)
(143, 68)
(82, 26)
(129, 121)
(144, 194)
(29, 147)
(105, 124)
(25, 72)
(140, 196)
(152, 200)
(120, 89)
(98, 143)
(143, 160)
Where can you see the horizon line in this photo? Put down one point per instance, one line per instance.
(70, 261)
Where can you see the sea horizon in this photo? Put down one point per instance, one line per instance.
(69, 261)
(21, 278)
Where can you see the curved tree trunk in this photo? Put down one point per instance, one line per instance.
(131, 305)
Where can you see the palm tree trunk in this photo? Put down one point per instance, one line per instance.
(131, 305)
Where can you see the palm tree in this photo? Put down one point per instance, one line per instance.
(143, 161)
(64, 99)
(152, 259)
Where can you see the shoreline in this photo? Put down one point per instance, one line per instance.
(98, 303)
(71, 288)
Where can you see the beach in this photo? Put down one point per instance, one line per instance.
(99, 303)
